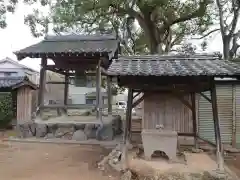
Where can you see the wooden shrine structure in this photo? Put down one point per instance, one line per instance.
(73, 54)
(166, 78)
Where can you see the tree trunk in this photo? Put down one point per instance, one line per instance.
(226, 47)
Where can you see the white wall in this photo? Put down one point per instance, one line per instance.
(19, 71)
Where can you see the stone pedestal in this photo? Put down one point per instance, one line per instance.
(159, 140)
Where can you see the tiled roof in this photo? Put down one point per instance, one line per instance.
(15, 82)
(174, 65)
(71, 44)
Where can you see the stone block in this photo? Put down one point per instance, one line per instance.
(79, 135)
(64, 131)
(26, 130)
(105, 132)
(41, 130)
(90, 131)
(159, 140)
(117, 124)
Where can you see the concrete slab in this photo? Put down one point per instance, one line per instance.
(195, 163)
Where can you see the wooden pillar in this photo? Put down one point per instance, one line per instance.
(66, 87)
(126, 136)
(109, 89)
(194, 118)
(234, 125)
(42, 83)
(219, 152)
(98, 91)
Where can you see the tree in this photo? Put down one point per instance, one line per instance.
(229, 12)
(143, 26)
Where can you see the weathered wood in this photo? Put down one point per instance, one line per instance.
(163, 81)
(167, 110)
(207, 98)
(194, 118)
(219, 152)
(129, 112)
(66, 87)
(137, 94)
(98, 91)
(180, 97)
(42, 83)
(109, 91)
(138, 101)
(234, 123)
(179, 133)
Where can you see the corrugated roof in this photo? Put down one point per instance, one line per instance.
(173, 65)
(15, 82)
(71, 44)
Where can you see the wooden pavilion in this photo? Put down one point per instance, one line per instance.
(73, 54)
(170, 84)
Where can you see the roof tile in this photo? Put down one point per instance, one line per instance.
(179, 65)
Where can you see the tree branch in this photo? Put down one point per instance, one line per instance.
(235, 19)
(198, 13)
(220, 10)
(205, 35)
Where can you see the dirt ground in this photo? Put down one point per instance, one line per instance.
(234, 165)
(38, 161)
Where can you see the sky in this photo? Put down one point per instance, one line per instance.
(17, 36)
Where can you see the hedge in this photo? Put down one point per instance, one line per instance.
(6, 110)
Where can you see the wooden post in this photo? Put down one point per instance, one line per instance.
(66, 87)
(194, 118)
(42, 83)
(216, 126)
(126, 128)
(109, 89)
(234, 143)
(98, 91)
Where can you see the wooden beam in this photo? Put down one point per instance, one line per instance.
(109, 91)
(179, 133)
(219, 152)
(137, 94)
(54, 69)
(207, 98)
(138, 101)
(194, 119)
(42, 83)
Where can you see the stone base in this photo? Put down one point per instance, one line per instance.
(70, 130)
(160, 140)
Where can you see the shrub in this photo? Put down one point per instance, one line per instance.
(6, 110)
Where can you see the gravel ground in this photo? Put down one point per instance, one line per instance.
(38, 161)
